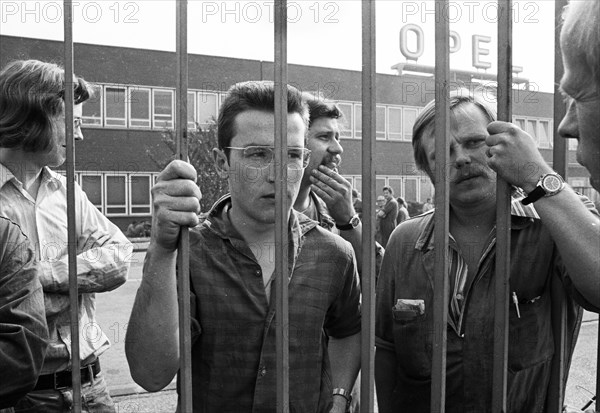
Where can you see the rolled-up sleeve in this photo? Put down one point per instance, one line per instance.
(344, 316)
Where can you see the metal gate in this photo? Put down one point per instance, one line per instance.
(442, 76)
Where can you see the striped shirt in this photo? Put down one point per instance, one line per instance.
(457, 265)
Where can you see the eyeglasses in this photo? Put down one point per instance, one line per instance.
(77, 122)
(261, 157)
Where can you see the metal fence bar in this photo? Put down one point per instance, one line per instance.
(281, 207)
(500, 379)
(442, 214)
(71, 218)
(556, 393)
(368, 190)
(183, 252)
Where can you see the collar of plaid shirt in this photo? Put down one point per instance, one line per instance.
(219, 223)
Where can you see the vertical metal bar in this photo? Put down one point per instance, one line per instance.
(499, 381)
(183, 253)
(71, 219)
(598, 372)
(368, 190)
(281, 207)
(556, 387)
(442, 212)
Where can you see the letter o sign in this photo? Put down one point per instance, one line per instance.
(418, 52)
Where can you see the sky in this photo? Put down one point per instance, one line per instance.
(320, 32)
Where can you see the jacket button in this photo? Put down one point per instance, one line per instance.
(258, 273)
(262, 371)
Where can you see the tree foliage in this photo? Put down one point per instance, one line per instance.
(200, 145)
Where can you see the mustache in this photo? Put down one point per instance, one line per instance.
(471, 171)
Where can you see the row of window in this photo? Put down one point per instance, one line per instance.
(118, 194)
(128, 194)
(118, 106)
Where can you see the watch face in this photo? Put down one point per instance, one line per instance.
(354, 221)
(552, 183)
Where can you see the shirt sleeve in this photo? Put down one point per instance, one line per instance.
(384, 323)
(344, 315)
(23, 330)
(104, 254)
(561, 270)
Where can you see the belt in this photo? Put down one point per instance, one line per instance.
(63, 379)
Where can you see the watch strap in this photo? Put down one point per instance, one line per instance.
(534, 195)
(344, 227)
(349, 225)
(344, 393)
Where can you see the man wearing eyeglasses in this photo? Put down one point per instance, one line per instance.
(233, 276)
(32, 141)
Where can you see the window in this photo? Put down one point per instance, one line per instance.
(92, 186)
(139, 189)
(114, 104)
(345, 122)
(519, 122)
(139, 107)
(358, 120)
(92, 108)
(394, 123)
(116, 194)
(545, 133)
(396, 185)
(163, 108)
(410, 189)
(409, 115)
(379, 184)
(426, 189)
(207, 109)
(358, 183)
(380, 123)
(191, 110)
(531, 127)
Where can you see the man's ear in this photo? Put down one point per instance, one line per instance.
(221, 163)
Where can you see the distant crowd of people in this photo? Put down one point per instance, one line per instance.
(555, 245)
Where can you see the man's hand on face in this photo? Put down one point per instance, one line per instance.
(176, 201)
(335, 191)
(514, 155)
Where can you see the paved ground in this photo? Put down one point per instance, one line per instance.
(114, 308)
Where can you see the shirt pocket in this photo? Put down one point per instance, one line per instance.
(530, 336)
(412, 337)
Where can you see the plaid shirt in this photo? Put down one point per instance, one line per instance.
(233, 324)
(102, 260)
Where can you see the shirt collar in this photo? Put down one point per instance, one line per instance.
(521, 217)
(218, 221)
(49, 177)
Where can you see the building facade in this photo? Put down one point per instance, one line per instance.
(134, 106)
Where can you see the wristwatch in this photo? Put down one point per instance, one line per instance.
(353, 223)
(345, 394)
(548, 185)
